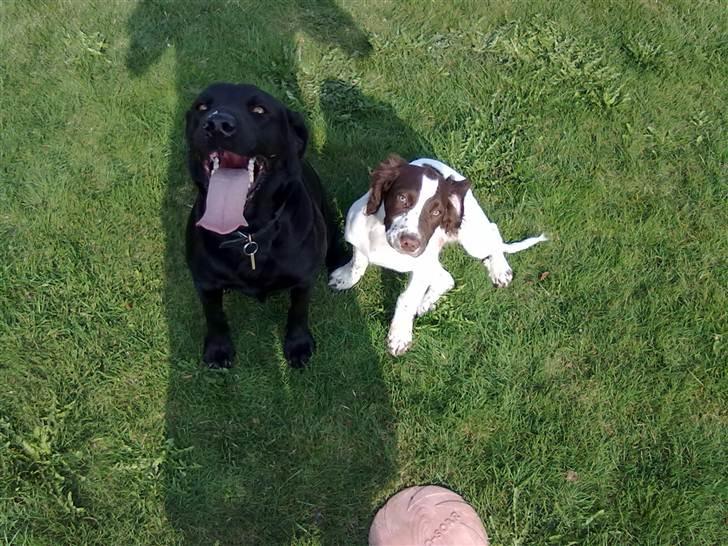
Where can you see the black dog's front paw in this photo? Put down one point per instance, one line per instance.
(219, 351)
(298, 348)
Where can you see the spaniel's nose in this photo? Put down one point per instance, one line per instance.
(409, 243)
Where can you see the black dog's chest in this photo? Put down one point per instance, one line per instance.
(279, 262)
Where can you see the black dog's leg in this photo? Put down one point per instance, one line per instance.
(218, 351)
(298, 344)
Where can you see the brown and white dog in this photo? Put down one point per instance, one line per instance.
(409, 213)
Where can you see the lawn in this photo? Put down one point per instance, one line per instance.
(587, 403)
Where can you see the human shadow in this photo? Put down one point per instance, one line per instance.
(261, 454)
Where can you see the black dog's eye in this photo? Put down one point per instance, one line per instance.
(402, 198)
(436, 212)
(257, 109)
(202, 107)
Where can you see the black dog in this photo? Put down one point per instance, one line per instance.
(261, 221)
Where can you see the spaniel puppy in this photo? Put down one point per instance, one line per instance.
(409, 213)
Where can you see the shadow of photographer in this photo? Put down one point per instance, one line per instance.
(261, 454)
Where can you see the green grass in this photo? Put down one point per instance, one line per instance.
(583, 406)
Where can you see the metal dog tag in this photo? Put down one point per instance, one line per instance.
(249, 249)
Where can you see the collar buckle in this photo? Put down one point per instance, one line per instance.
(249, 248)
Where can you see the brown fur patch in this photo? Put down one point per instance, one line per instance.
(398, 184)
(382, 179)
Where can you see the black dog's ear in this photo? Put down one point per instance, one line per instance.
(382, 179)
(299, 132)
(453, 217)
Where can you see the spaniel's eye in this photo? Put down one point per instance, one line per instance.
(436, 212)
(257, 109)
(402, 198)
(202, 107)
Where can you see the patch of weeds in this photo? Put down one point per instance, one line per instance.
(40, 457)
(489, 160)
(82, 46)
(488, 141)
(702, 125)
(439, 43)
(561, 60)
(644, 52)
(174, 459)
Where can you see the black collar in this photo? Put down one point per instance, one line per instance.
(242, 237)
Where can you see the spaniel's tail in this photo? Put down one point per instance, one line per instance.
(511, 248)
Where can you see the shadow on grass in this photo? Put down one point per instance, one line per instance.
(261, 454)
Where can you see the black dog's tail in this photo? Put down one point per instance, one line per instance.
(337, 252)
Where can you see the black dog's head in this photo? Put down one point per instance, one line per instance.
(236, 134)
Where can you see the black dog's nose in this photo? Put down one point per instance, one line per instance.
(409, 243)
(221, 123)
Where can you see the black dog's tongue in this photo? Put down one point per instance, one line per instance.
(225, 202)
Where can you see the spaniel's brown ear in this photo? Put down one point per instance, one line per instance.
(382, 179)
(456, 190)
